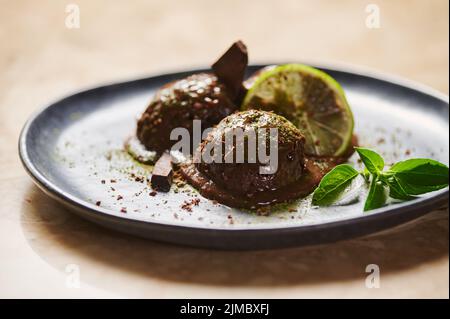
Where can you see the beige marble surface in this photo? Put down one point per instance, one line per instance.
(41, 60)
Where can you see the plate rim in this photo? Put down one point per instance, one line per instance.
(423, 204)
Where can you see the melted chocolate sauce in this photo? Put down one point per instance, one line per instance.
(315, 170)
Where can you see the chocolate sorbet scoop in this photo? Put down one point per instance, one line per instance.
(247, 178)
(242, 184)
(197, 97)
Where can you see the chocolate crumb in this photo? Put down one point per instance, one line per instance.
(263, 211)
(123, 210)
(153, 193)
(98, 203)
(187, 205)
(139, 179)
(119, 197)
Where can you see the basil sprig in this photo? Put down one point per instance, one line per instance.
(403, 181)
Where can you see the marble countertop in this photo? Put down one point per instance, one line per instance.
(45, 251)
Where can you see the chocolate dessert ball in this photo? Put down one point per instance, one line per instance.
(197, 97)
(245, 178)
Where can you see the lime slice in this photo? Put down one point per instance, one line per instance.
(309, 98)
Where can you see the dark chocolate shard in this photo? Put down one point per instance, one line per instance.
(162, 173)
(230, 70)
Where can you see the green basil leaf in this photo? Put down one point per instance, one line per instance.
(371, 159)
(377, 195)
(395, 188)
(333, 184)
(420, 176)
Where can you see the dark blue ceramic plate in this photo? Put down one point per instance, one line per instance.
(73, 150)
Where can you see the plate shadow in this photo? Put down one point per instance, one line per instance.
(57, 235)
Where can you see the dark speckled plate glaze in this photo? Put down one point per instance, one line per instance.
(73, 150)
